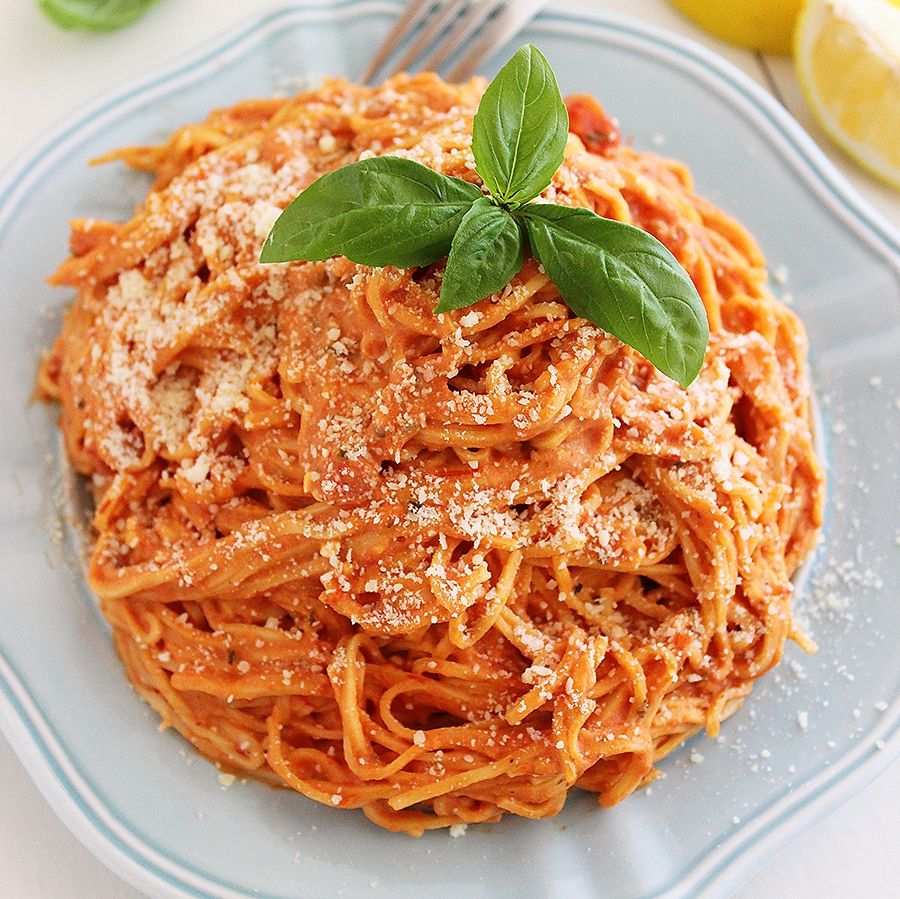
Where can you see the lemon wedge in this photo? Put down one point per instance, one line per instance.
(765, 25)
(847, 54)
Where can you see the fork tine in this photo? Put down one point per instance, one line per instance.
(474, 17)
(414, 12)
(511, 19)
(448, 26)
(437, 25)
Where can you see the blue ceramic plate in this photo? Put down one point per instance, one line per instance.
(813, 731)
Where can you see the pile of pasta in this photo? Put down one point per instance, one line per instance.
(437, 567)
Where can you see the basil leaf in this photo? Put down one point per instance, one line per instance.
(520, 129)
(624, 280)
(94, 15)
(381, 211)
(486, 253)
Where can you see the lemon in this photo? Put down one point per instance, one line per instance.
(765, 25)
(847, 54)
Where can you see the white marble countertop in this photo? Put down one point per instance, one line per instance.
(46, 74)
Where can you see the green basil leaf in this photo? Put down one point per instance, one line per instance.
(520, 130)
(624, 280)
(486, 253)
(94, 15)
(381, 211)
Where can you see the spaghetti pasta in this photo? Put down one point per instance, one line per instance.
(437, 567)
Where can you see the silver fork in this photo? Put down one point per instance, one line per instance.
(431, 32)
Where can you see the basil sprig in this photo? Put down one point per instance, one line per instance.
(392, 211)
(520, 130)
(95, 15)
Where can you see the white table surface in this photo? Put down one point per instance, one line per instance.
(47, 73)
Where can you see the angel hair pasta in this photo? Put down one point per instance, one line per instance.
(437, 567)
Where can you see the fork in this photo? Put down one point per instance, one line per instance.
(438, 30)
